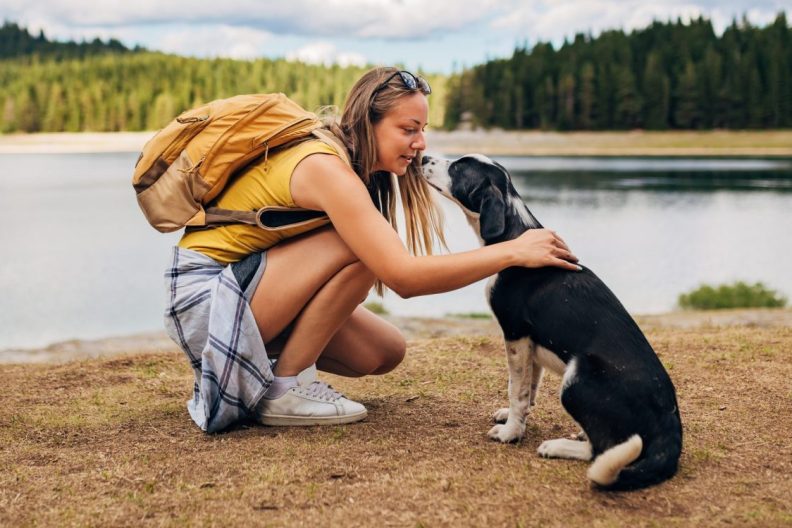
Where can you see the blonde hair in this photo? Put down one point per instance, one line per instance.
(367, 103)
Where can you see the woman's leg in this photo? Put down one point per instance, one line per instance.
(365, 344)
(317, 283)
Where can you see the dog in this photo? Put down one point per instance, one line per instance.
(613, 384)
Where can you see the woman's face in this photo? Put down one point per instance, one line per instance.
(399, 135)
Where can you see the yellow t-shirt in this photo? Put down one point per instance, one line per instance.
(263, 184)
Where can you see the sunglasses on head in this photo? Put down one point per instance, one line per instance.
(412, 82)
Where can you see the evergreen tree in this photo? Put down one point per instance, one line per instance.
(566, 101)
(587, 112)
(16, 41)
(628, 101)
(656, 89)
(55, 117)
(671, 74)
(8, 119)
(687, 104)
(546, 103)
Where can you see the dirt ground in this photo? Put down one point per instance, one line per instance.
(108, 442)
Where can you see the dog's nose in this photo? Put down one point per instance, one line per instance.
(425, 160)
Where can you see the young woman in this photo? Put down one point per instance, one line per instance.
(239, 294)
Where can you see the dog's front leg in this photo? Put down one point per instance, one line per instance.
(536, 380)
(520, 355)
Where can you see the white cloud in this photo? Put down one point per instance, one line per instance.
(215, 41)
(433, 34)
(554, 20)
(352, 18)
(193, 40)
(325, 53)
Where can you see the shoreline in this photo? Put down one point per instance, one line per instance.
(716, 143)
(414, 328)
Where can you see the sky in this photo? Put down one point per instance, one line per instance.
(434, 35)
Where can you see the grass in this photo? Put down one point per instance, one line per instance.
(617, 143)
(109, 442)
(470, 315)
(736, 295)
(376, 307)
(494, 142)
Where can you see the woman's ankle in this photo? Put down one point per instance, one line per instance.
(305, 376)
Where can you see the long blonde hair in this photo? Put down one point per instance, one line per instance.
(367, 103)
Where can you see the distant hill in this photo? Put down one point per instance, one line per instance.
(16, 41)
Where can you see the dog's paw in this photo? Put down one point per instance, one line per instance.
(565, 448)
(505, 433)
(546, 449)
(501, 415)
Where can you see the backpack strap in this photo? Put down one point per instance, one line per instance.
(331, 139)
(271, 217)
(216, 216)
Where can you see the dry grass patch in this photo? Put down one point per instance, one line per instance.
(109, 442)
(616, 143)
(491, 142)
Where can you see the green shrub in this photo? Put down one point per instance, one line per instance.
(737, 295)
(471, 315)
(376, 307)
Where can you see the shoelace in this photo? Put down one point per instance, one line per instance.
(320, 389)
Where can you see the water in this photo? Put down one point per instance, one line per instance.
(80, 261)
(78, 258)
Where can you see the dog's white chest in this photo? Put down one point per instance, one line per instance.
(488, 289)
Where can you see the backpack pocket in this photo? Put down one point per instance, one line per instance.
(172, 201)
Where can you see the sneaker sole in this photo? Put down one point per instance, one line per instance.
(286, 420)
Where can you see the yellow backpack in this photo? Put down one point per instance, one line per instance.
(187, 163)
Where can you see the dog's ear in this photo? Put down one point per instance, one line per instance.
(493, 214)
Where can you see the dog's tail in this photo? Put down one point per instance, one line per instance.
(606, 469)
(612, 469)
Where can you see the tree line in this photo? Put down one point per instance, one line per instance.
(16, 41)
(670, 75)
(144, 91)
(48, 86)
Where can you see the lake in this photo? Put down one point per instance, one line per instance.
(80, 261)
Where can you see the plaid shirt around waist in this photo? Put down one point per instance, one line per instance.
(208, 315)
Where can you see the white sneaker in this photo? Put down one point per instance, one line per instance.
(314, 404)
(307, 376)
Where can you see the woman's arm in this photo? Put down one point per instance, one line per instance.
(325, 183)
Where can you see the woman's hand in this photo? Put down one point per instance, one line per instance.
(537, 248)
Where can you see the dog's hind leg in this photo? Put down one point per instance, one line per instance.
(579, 449)
(521, 357)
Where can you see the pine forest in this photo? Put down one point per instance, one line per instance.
(669, 75)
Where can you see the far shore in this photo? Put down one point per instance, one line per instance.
(413, 328)
(717, 143)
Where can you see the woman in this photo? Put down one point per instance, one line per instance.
(299, 296)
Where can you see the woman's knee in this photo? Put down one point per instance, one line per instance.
(356, 274)
(391, 353)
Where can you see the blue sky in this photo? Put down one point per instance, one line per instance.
(434, 35)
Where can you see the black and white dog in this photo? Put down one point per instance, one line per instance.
(613, 385)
